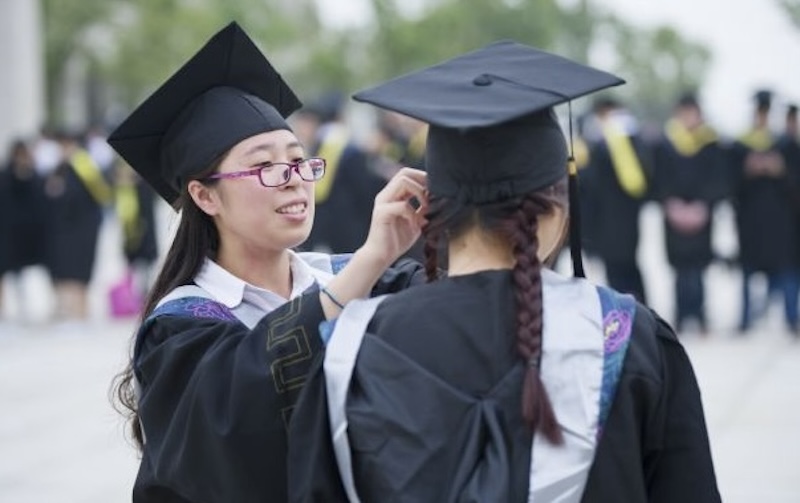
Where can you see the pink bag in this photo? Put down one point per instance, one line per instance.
(123, 297)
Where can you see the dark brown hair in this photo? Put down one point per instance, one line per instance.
(196, 238)
(516, 221)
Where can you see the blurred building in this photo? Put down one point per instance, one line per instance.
(22, 63)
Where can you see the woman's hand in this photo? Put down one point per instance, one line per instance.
(396, 224)
(397, 217)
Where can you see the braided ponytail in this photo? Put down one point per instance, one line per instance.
(536, 407)
(431, 253)
(516, 219)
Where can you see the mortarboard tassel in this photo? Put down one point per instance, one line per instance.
(574, 208)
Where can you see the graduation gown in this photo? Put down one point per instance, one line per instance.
(23, 219)
(73, 227)
(611, 229)
(343, 217)
(790, 148)
(432, 408)
(766, 221)
(698, 178)
(216, 398)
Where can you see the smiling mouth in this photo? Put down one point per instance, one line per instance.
(293, 209)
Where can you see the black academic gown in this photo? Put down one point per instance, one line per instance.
(342, 220)
(23, 219)
(216, 398)
(141, 245)
(765, 219)
(612, 227)
(434, 412)
(790, 148)
(702, 177)
(74, 225)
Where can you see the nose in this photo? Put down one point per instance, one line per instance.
(293, 175)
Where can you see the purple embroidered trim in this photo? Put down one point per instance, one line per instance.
(616, 328)
(196, 307)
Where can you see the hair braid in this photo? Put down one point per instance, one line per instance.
(431, 252)
(536, 407)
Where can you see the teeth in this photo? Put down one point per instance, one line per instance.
(293, 208)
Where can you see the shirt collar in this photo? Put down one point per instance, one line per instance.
(221, 284)
(230, 290)
(302, 275)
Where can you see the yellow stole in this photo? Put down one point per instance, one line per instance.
(417, 142)
(688, 142)
(758, 139)
(91, 177)
(580, 151)
(331, 149)
(624, 160)
(127, 207)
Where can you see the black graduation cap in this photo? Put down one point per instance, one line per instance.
(493, 133)
(688, 100)
(224, 94)
(763, 99)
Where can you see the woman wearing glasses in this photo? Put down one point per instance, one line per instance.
(231, 325)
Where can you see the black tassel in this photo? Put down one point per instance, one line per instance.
(575, 221)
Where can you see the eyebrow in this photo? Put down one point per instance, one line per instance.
(269, 146)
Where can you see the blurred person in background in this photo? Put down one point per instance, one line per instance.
(617, 179)
(47, 151)
(766, 220)
(23, 221)
(135, 208)
(231, 324)
(103, 155)
(789, 145)
(77, 194)
(397, 141)
(344, 198)
(690, 178)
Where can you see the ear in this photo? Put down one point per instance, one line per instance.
(204, 197)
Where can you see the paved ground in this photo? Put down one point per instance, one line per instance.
(60, 441)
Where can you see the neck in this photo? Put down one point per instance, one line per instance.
(477, 250)
(269, 270)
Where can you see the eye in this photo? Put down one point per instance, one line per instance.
(297, 160)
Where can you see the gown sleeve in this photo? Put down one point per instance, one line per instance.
(216, 398)
(682, 469)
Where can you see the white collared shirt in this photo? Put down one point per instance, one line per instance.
(250, 303)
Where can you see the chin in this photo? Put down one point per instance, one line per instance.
(298, 238)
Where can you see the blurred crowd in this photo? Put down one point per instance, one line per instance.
(687, 169)
(57, 189)
(55, 192)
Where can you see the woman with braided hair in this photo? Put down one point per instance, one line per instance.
(501, 380)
